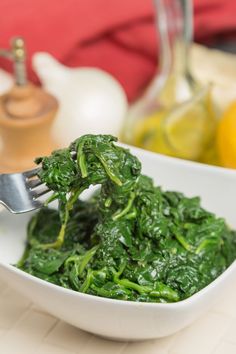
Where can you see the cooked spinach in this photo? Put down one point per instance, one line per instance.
(131, 240)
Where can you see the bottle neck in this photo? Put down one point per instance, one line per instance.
(174, 28)
(174, 25)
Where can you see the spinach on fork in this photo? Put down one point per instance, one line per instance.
(131, 240)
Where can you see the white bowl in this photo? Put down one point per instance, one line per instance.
(126, 320)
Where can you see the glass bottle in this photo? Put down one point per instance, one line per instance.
(175, 116)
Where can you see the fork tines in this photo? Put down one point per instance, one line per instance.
(34, 184)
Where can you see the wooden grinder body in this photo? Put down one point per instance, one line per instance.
(26, 117)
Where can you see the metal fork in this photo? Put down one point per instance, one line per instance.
(20, 192)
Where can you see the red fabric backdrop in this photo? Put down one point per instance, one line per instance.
(117, 36)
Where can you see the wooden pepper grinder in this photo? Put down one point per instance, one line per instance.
(26, 116)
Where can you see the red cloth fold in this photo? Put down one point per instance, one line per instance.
(117, 36)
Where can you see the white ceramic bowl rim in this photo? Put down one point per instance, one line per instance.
(182, 162)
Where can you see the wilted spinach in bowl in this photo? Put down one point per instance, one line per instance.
(131, 240)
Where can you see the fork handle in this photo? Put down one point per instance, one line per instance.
(8, 191)
(13, 193)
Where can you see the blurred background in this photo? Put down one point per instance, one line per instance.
(117, 36)
(171, 86)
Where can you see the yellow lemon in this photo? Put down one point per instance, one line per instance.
(184, 131)
(226, 137)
